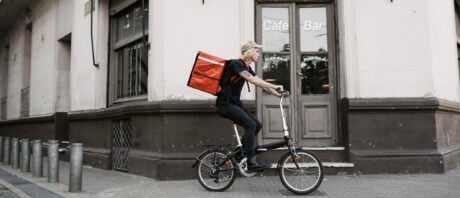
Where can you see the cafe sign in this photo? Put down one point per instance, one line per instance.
(272, 25)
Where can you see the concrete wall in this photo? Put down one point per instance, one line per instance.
(398, 49)
(37, 68)
(387, 49)
(180, 28)
(175, 39)
(43, 73)
(16, 60)
(443, 50)
(64, 18)
(87, 82)
(401, 73)
(64, 25)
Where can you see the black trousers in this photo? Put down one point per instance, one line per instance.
(242, 117)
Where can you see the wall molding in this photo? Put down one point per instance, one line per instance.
(145, 107)
(395, 104)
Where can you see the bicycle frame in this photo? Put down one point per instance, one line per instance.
(265, 147)
(274, 145)
(300, 172)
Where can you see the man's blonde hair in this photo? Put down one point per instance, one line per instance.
(248, 48)
(247, 54)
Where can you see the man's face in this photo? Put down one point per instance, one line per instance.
(255, 54)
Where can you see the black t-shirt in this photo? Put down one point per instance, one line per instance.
(232, 83)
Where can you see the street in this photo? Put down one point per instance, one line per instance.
(98, 183)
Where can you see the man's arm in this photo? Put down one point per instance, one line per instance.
(273, 89)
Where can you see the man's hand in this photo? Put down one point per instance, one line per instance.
(275, 92)
(279, 88)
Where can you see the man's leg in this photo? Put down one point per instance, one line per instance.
(258, 127)
(241, 117)
(258, 123)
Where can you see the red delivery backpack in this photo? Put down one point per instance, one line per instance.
(207, 72)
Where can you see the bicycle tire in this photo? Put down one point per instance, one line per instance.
(223, 175)
(304, 180)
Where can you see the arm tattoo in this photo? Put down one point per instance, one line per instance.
(246, 73)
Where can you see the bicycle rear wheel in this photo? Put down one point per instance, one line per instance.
(215, 171)
(304, 178)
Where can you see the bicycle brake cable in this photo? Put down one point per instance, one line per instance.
(298, 114)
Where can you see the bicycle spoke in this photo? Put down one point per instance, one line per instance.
(301, 174)
(215, 172)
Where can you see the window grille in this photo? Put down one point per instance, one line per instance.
(121, 144)
(4, 102)
(25, 102)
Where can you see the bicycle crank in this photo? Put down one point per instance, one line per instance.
(243, 167)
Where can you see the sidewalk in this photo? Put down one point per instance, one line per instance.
(98, 183)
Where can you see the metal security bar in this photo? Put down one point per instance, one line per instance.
(132, 71)
(25, 94)
(121, 134)
(3, 113)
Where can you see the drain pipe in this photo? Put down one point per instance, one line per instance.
(92, 39)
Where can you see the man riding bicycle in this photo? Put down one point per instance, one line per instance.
(228, 102)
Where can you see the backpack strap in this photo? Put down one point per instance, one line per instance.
(237, 77)
(232, 79)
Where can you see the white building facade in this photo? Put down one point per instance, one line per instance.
(372, 81)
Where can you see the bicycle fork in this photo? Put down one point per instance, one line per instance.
(294, 155)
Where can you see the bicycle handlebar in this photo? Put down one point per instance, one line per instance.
(285, 94)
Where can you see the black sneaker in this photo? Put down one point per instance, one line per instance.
(253, 164)
(265, 164)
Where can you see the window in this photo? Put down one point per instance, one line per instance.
(4, 103)
(25, 91)
(132, 70)
(311, 26)
(276, 52)
(129, 48)
(314, 62)
(4, 87)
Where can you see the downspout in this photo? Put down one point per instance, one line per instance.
(107, 93)
(91, 29)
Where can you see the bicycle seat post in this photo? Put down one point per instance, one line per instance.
(283, 115)
(237, 135)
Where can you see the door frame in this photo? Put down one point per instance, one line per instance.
(333, 57)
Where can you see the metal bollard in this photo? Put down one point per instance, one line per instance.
(25, 155)
(6, 151)
(53, 161)
(37, 165)
(1, 148)
(15, 153)
(31, 158)
(76, 167)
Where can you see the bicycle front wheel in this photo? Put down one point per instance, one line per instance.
(301, 174)
(215, 171)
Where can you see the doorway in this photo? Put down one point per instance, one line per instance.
(299, 53)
